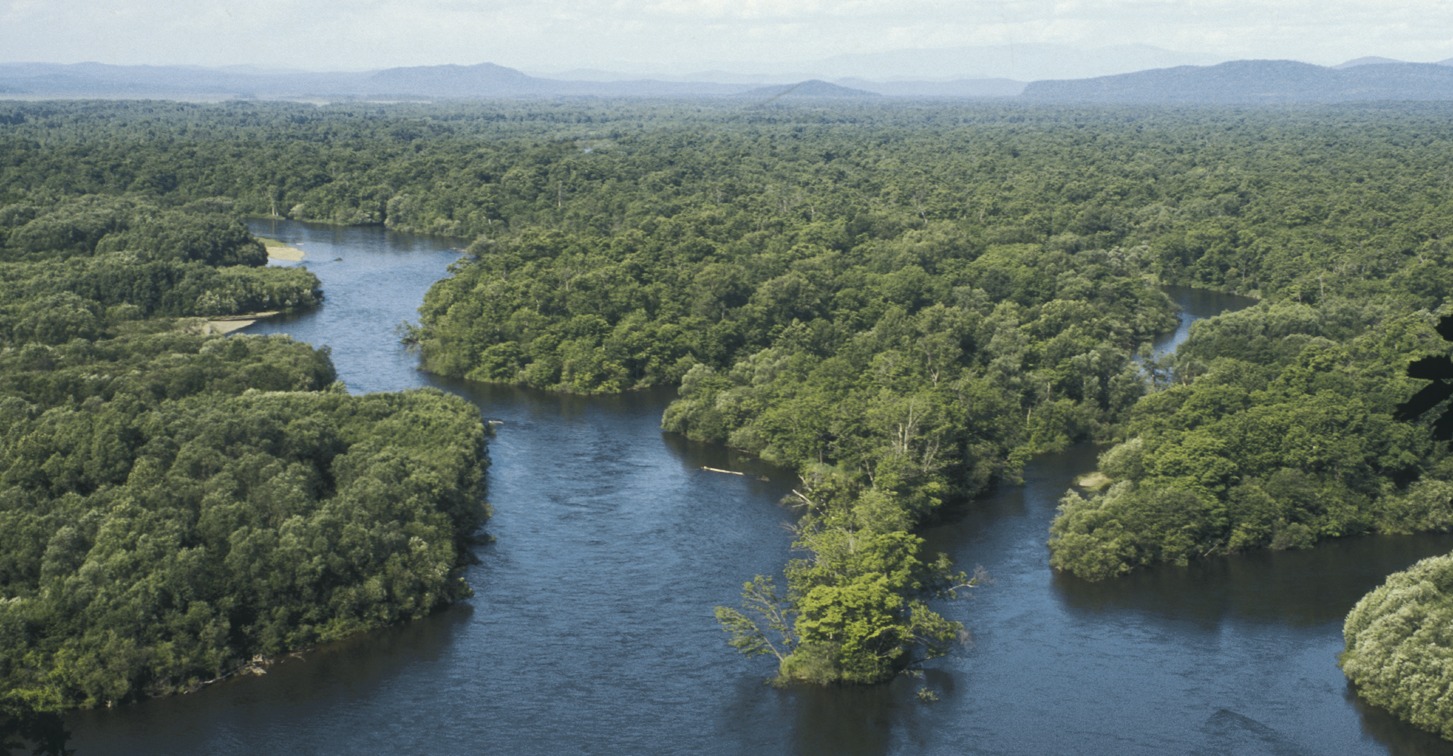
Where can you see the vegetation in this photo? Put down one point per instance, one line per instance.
(1286, 435)
(174, 507)
(897, 362)
(81, 267)
(901, 303)
(1398, 645)
(1279, 426)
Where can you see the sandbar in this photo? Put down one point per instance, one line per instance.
(277, 250)
(230, 323)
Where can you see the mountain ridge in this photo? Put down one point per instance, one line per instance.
(1231, 82)
(812, 88)
(1255, 82)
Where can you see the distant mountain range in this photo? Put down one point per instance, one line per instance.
(1235, 82)
(1376, 60)
(486, 80)
(1023, 62)
(1017, 62)
(1256, 82)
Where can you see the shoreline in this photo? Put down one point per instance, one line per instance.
(221, 326)
(277, 250)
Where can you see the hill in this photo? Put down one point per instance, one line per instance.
(813, 88)
(483, 81)
(1254, 82)
(455, 81)
(958, 88)
(1370, 60)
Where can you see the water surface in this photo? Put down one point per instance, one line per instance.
(591, 630)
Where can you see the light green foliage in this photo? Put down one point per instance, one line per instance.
(770, 632)
(859, 613)
(854, 611)
(1400, 645)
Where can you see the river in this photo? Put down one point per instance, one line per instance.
(591, 629)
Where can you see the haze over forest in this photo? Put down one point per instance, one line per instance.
(431, 49)
(1233, 82)
(1025, 40)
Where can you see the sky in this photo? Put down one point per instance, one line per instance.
(680, 36)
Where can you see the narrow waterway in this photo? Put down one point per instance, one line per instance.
(591, 630)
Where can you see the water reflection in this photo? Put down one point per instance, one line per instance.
(848, 721)
(34, 733)
(1396, 735)
(237, 714)
(1304, 588)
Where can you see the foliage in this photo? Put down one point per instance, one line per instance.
(149, 549)
(1399, 648)
(1252, 455)
(80, 267)
(854, 611)
(902, 303)
(175, 507)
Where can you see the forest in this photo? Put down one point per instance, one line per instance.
(176, 508)
(903, 304)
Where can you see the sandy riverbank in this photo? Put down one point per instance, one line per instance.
(276, 250)
(233, 322)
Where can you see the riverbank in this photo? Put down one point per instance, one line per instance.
(277, 250)
(611, 544)
(230, 323)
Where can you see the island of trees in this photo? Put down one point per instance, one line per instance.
(902, 303)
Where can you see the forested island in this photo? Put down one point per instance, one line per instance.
(901, 303)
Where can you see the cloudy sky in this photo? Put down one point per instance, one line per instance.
(677, 36)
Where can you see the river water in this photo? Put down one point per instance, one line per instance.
(591, 629)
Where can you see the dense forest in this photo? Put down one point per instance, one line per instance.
(1277, 431)
(901, 303)
(176, 507)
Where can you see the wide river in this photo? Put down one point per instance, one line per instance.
(591, 628)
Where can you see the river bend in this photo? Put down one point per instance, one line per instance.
(591, 629)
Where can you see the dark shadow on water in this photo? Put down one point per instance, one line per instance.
(505, 403)
(761, 477)
(34, 733)
(1397, 736)
(1298, 588)
(1227, 731)
(842, 720)
(314, 681)
(851, 721)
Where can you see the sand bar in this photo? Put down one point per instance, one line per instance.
(276, 250)
(230, 323)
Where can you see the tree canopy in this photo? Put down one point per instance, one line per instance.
(176, 507)
(902, 303)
